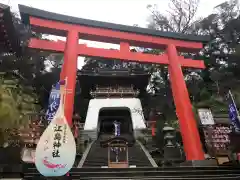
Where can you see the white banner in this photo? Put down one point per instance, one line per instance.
(56, 149)
(206, 116)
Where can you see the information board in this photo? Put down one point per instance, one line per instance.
(217, 138)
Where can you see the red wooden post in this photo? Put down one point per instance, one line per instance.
(188, 126)
(69, 72)
(153, 128)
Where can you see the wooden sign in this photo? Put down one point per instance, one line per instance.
(56, 149)
(118, 154)
(217, 139)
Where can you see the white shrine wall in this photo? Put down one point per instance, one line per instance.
(95, 105)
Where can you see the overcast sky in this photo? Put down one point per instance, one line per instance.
(127, 12)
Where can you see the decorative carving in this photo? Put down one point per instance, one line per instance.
(114, 91)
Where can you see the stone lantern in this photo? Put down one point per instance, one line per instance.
(171, 152)
(169, 136)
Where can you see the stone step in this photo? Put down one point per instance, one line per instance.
(147, 173)
(215, 177)
(99, 156)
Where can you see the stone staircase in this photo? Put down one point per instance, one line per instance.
(87, 135)
(208, 173)
(137, 156)
(98, 156)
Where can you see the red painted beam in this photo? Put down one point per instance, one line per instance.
(47, 45)
(111, 36)
(83, 50)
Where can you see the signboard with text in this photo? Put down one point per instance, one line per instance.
(206, 116)
(56, 149)
(217, 139)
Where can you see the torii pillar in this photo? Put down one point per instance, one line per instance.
(69, 72)
(187, 122)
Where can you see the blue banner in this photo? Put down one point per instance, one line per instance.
(233, 112)
(54, 101)
(116, 128)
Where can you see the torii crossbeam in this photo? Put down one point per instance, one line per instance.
(77, 28)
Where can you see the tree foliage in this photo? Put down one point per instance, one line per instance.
(180, 16)
(208, 87)
(19, 93)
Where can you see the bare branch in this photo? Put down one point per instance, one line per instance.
(179, 18)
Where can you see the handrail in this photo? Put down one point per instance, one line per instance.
(154, 164)
(80, 164)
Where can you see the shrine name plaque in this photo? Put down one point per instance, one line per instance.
(118, 156)
(117, 151)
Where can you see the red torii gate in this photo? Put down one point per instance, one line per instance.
(75, 28)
